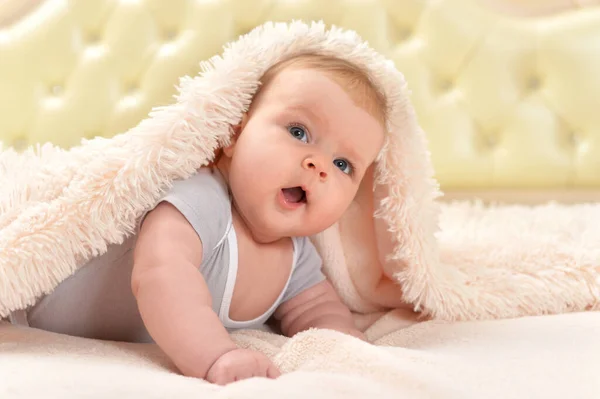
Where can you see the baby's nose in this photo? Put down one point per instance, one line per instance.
(312, 163)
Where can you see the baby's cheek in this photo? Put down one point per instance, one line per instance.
(345, 202)
(330, 213)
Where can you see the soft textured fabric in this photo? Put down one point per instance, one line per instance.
(97, 301)
(59, 208)
(550, 357)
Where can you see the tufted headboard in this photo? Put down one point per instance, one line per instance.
(507, 101)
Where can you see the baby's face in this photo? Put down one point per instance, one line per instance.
(301, 155)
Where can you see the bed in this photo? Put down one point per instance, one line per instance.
(505, 131)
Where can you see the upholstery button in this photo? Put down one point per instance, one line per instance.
(398, 33)
(534, 83)
(92, 38)
(445, 85)
(92, 135)
(404, 34)
(169, 34)
(242, 30)
(131, 88)
(56, 90)
(489, 141)
(574, 138)
(131, 98)
(20, 143)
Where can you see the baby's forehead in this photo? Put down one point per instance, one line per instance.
(296, 86)
(305, 90)
(297, 80)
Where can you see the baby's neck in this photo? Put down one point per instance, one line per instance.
(222, 167)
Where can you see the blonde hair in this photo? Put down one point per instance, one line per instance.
(351, 78)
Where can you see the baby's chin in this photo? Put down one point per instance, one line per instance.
(268, 224)
(269, 229)
(302, 230)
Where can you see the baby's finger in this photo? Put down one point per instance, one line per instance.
(221, 376)
(273, 371)
(244, 373)
(222, 379)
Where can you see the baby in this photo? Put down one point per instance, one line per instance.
(228, 248)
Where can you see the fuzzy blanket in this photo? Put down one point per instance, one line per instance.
(395, 245)
(513, 260)
(536, 357)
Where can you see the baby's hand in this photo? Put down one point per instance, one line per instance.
(240, 364)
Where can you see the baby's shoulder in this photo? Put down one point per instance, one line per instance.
(205, 180)
(206, 188)
(203, 199)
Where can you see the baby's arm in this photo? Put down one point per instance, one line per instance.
(318, 307)
(172, 296)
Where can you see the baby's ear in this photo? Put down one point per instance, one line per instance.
(236, 130)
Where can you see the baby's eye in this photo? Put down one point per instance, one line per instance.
(343, 165)
(299, 133)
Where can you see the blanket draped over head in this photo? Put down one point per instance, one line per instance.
(59, 207)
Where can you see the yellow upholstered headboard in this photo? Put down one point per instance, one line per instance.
(506, 100)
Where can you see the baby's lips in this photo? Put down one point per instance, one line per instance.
(293, 194)
(307, 192)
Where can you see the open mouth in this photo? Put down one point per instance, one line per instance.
(294, 195)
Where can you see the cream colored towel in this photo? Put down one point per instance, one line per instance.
(538, 357)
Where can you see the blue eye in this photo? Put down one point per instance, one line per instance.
(299, 133)
(343, 165)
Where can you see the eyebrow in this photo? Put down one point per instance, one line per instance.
(313, 116)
